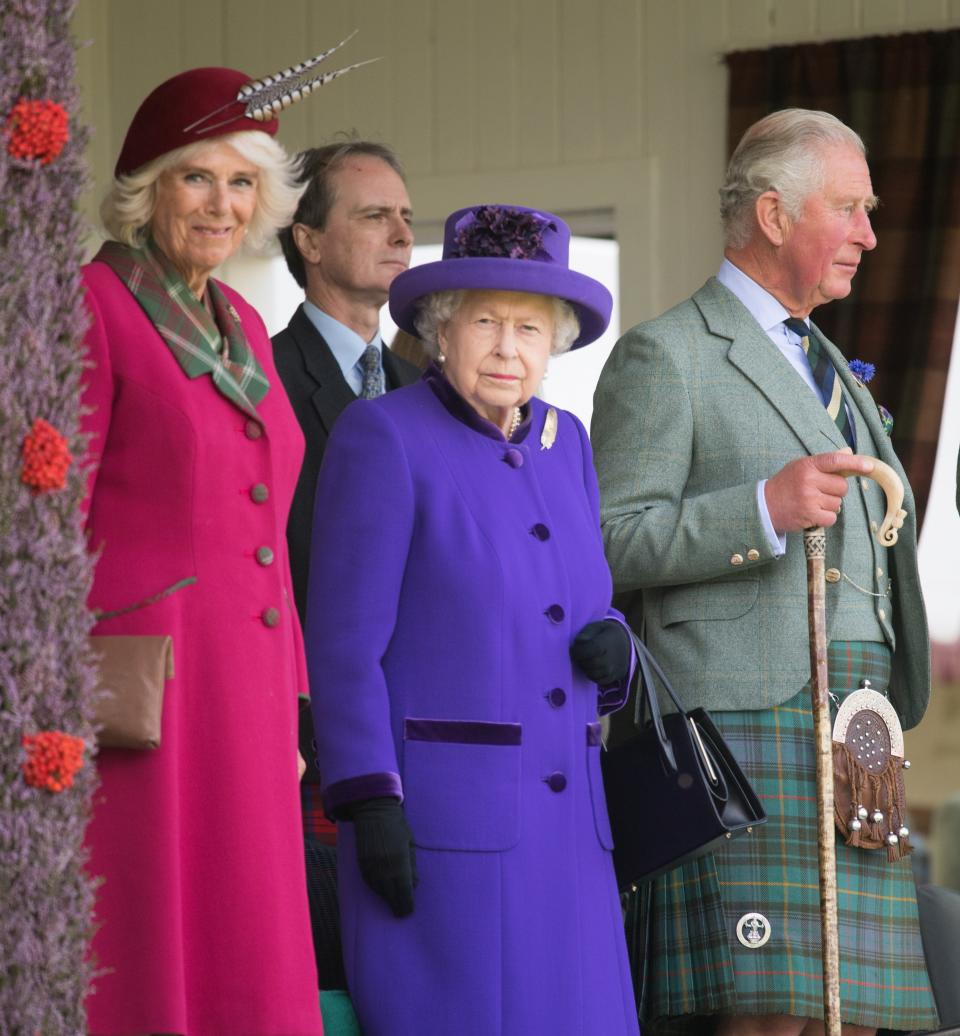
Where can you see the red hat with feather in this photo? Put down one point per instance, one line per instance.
(205, 103)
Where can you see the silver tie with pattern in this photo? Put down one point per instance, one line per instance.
(373, 385)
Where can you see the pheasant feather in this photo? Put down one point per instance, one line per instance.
(272, 100)
(290, 73)
(264, 98)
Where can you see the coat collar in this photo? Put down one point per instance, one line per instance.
(759, 360)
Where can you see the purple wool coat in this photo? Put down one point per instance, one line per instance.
(451, 571)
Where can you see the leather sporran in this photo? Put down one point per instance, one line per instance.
(129, 706)
(674, 790)
(869, 799)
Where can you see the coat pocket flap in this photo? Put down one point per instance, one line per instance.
(727, 599)
(461, 784)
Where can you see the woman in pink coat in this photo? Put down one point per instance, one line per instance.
(203, 926)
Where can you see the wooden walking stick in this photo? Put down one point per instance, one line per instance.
(815, 548)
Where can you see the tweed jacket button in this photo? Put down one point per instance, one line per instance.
(832, 575)
(555, 613)
(556, 781)
(737, 559)
(873, 526)
(753, 555)
(557, 697)
(252, 429)
(514, 458)
(879, 573)
(264, 556)
(270, 617)
(540, 531)
(881, 613)
(259, 493)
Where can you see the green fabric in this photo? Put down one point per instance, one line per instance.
(691, 411)
(339, 1017)
(192, 334)
(696, 964)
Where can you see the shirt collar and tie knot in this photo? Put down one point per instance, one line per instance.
(373, 381)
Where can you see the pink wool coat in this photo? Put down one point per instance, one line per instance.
(203, 920)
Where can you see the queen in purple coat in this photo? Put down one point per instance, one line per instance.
(461, 647)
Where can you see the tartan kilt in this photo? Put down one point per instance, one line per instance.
(690, 961)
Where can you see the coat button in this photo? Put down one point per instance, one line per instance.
(753, 555)
(557, 697)
(882, 614)
(264, 556)
(252, 429)
(555, 613)
(540, 531)
(736, 559)
(879, 573)
(832, 575)
(270, 617)
(259, 493)
(514, 458)
(556, 781)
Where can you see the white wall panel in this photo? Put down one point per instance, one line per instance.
(612, 105)
(538, 83)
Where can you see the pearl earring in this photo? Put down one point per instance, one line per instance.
(441, 358)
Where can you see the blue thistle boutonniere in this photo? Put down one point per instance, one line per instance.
(863, 372)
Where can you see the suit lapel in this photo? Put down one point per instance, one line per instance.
(759, 360)
(397, 375)
(332, 392)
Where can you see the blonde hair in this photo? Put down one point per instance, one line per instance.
(128, 208)
(440, 306)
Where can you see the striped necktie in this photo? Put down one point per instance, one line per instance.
(825, 376)
(373, 385)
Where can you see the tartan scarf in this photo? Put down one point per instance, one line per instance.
(185, 324)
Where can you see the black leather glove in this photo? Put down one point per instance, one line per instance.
(601, 650)
(385, 851)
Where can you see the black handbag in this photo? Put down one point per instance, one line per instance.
(674, 791)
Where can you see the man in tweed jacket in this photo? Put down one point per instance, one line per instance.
(714, 450)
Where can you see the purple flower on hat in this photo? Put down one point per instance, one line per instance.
(862, 370)
(492, 231)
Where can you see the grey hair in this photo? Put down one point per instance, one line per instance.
(783, 152)
(128, 208)
(440, 306)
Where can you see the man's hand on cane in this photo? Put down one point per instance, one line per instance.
(808, 491)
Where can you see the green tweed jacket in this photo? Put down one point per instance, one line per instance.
(692, 409)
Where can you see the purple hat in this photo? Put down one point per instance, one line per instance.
(505, 248)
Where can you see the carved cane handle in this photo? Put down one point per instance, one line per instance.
(889, 481)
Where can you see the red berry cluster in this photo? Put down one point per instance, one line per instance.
(37, 129)
(45, 458)
(53, 759)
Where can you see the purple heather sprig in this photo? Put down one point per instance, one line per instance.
(492, 231)
(46, 682)
(862, 370)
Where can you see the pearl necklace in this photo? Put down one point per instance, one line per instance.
(514, 422)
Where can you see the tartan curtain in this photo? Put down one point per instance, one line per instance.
(902, 95)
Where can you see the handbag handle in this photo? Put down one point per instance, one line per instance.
(647, 665)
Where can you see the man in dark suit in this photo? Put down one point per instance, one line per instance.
(350, 237)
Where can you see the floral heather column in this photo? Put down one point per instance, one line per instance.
(46, 682)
